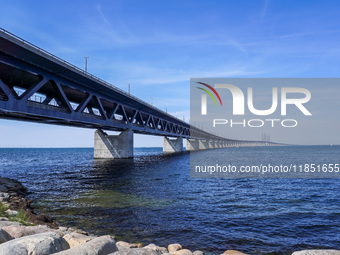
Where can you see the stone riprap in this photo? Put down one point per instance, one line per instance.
(49, 238)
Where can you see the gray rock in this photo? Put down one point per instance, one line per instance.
(12, 212)
(163, 250)
(151, 246)
(62, 232)
(39, 244)
(198, 253)
(135, 251)
(102, 245)
(20, 231)
(233, 252)
(4, 236)
(182, 252)
(9, 185)
(4, 197)
(9, 223)
(121, 248)
(123, 245)
(63, 229)
(77, 230)
(159, 250)
(174, 247)
(317, 252)
(75, 239)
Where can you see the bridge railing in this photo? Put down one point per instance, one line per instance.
(4, 31)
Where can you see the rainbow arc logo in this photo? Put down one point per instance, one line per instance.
(209, 93)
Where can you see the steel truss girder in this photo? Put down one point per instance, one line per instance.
(22, 107)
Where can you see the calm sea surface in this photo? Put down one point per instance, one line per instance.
(153, 199)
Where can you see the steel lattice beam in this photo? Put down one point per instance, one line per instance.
(40, 87)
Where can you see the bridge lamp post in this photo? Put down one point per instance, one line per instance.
(86, 63)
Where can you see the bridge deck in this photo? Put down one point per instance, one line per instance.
(37, 86)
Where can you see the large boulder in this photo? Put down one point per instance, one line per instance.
(124, 245)
(74, 239)
(4, 236)
(20, 231)
(174, 247)
(233, 252)
(159, 250)
(317, 252)
(182, 252)
(39, 244)
(135, 251)
(102, 245)
(8, 184)
(9, 223)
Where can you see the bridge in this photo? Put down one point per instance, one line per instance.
(38, 86)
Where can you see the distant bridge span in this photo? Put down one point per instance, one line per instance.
(37, 86)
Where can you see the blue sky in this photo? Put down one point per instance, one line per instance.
(156, 46)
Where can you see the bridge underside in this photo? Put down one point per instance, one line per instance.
(40, 87)
(27, 93)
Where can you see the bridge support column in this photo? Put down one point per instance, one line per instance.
(192, 145)
(113, 146)
(203, 144)
(212, 144)
(172, 145)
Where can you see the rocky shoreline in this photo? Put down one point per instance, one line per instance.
(23, 232)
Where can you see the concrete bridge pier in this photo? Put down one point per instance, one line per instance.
(172, 145)
(203, 144)
(113, 146)
(212, 144)
(192, 145)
